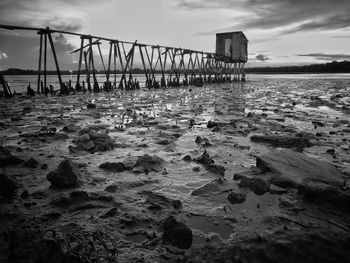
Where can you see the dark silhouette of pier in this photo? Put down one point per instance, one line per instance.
(175, 67)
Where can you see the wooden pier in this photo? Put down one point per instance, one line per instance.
(162, 66)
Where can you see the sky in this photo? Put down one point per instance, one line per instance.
(283, 32)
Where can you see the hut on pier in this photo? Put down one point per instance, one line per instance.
(233, 45)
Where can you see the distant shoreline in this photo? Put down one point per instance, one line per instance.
(335, 67)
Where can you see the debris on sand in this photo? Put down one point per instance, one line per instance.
(28, 245)
(148, 163)
(209, 165)
(66, 175)
(177, 233)
(6, 158)
(282, 141)
(8, 185)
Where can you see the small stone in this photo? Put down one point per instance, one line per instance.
(258, 185)
(31, 163)
(91, 106)
(236, 197)
(113, 167)
(24, 194)
(177, 233)
(187, 158)
(66, 175)
(89, 145)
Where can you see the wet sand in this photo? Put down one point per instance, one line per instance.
(130, 201)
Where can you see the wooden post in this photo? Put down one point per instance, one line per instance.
(109, 59)
(40, 55)
(150, 63)
(115, 64)
(45, 58)
(91, 54)
(80, 60)
(103, 63)
(122, 65)
(87, 68)
(55, 58)
(143, 63)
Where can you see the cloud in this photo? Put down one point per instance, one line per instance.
(262, 58)
(326, 57)
(289, 16)
(3, 56)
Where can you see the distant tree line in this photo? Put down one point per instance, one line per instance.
(332, 67)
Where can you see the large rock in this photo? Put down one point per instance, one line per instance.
(177, 233)
(7, 185)
(66, 175)
(291, 168)
(282, 141)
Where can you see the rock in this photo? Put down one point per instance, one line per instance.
(319, 192)
(258, 185)
(113, 167)
(187, 158)
(31, 163)
(202, 141)
(148, 163)
(91, 106)
(177, 233)
(236, 197)
(282, 141)
(8, 185)
(110, 213)
(6, 158)
(291, 168)
(102, 142)
(274, 189)
(88, 145)
(209, 189)
(66, 175)
(158, 201)
(71, 128)
(212, 124)
(209, 164)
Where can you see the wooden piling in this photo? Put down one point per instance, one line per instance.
(55, 58)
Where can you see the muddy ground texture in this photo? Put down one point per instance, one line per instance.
(251, 172)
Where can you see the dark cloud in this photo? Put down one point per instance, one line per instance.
(326, 57)
(298, 15)
(262, 58)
